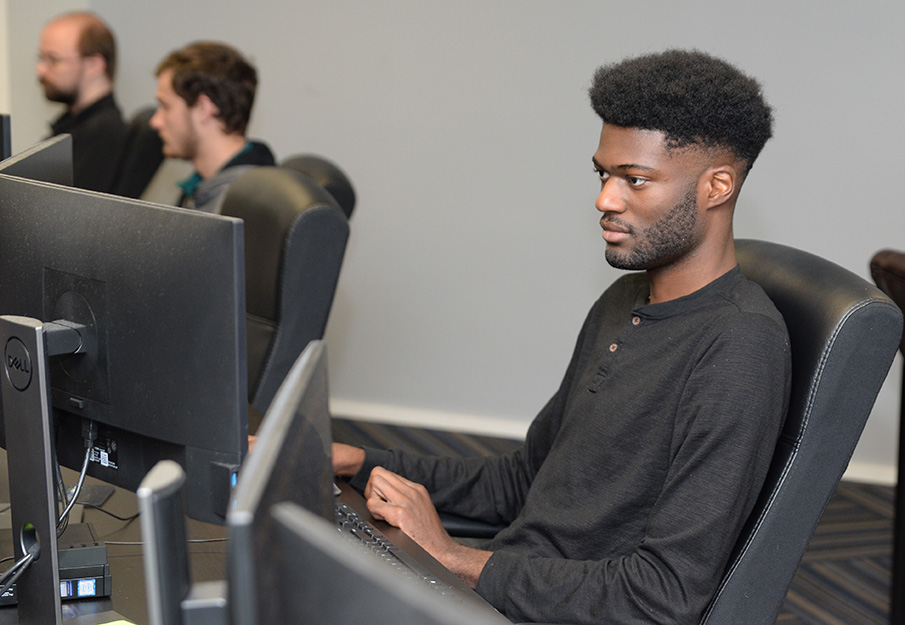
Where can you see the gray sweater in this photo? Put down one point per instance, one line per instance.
(635, 479)
(207, 195)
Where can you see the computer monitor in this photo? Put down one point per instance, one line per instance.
(322, 577)
(287, 563)
(47, 161)
(157, 298)
(161, 501)
(291, 461)
(161, 292)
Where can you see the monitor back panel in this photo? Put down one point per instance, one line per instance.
(161, 293)
(291, 461)
(47, 161)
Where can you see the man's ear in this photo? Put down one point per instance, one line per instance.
(96, 64)
(206, 107)
(721, 184)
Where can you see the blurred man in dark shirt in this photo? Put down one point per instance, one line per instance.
(76, 65)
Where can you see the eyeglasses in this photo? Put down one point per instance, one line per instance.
(53, 60)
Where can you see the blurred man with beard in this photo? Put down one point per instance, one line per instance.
(76, 65)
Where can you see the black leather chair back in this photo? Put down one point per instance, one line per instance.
(142, 156)
(295, 239)
(844, 333)
(328, 175)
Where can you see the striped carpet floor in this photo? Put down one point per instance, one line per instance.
(843, 578)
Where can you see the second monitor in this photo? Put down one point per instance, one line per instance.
(160, 294)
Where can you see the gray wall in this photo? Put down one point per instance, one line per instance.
(475, 250)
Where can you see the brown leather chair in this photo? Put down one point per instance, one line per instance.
(887, 268)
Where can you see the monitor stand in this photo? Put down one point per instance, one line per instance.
(25, 386)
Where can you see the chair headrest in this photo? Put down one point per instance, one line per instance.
(816, 297)
(326, 174)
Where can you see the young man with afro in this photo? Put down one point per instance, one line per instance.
(633, 483)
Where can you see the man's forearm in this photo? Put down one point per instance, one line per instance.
(347, 460)
(466, 562)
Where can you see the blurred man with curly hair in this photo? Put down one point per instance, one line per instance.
(634, 481)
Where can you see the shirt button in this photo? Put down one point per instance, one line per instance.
(614, 347)
(636, 321)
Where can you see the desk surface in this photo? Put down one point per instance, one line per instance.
(207, 560)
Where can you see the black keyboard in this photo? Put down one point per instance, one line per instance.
(350, 524)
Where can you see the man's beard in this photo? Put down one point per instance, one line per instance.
(58, 95)
(663, 241)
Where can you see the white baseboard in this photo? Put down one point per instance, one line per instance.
(882, 474)
(431, 419)
(509, 428)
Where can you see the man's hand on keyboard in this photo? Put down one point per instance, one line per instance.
(407, 505)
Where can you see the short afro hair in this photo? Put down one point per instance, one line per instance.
(694, 98)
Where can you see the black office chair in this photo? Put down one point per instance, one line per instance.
(328, 175)
(142, 156)
(844, 333)
(295, 239)
(887, 268)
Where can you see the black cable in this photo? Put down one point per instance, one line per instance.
(89, 432)
(63, 521)
(61, 486)
(138, 543)
(107, 512)
(14, 572)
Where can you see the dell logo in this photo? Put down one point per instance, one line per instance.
(17, 363)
